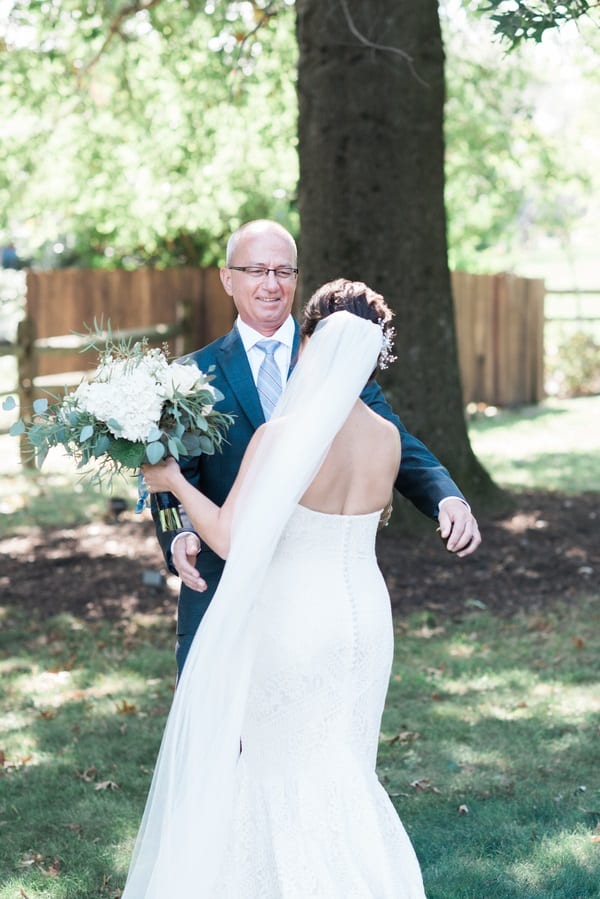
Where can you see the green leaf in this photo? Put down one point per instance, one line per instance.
(155, 452)
(155, 434)
(173, 448)
(41, 455)
(17, 428)
(40, 406)
(114, 425)
(9, 404)
(191, 444)
(206, 445)
(86, 433)
(102, 445)
(127, 453)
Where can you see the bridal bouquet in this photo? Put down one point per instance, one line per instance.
(138, 407)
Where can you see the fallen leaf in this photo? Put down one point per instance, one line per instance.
(126, 708)
(88, 775)
(107, 785)
(423, 784)
(47, 714)
(52, 870)
(463, 810)
(578, 642)
(405, 736)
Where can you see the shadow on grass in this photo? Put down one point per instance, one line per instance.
(507, 725)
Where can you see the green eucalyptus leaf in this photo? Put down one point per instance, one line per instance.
(40, 406)
(101, 446)
(155, 452)
(173, 448)
(9, 404)
(41, 454)
(114, 425)
(17, 428)
(206, 445)
(86, 432)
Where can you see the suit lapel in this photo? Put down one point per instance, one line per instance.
(295, 347)
(236, 371)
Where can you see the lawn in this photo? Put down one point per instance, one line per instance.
(488, 745)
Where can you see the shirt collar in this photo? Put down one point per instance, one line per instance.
(284, 334)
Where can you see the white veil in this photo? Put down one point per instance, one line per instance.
(181, 841)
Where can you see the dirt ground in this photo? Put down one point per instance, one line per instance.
(547, 549)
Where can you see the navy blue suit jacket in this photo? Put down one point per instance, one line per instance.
(422, 478)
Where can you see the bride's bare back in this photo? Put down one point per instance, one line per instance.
(358, 473)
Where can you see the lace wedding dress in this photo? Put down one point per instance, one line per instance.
(310, 816)
(291, 662)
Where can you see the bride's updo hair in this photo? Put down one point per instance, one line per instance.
(354, 297)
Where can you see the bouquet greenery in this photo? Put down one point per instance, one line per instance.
(138, 407)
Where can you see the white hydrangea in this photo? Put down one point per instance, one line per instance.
(132, 398)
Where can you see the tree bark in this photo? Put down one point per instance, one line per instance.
(371, 199)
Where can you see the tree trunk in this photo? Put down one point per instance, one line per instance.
(371, 199)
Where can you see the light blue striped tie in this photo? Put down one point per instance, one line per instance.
(268, 382)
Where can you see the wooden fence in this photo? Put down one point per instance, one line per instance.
(70, 300)
(500, 335)
(499, 324)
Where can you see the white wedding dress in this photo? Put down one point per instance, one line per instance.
(291, 661)
(310, 816)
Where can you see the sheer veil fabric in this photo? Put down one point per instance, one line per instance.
(182, 837)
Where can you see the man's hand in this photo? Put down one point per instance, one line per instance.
(185, 552)
(458, 527)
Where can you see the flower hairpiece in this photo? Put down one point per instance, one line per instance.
(386, 356)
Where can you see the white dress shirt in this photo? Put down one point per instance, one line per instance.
(283, 353)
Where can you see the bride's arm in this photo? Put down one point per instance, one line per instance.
(212, 522)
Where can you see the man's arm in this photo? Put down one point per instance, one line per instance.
(427, 483)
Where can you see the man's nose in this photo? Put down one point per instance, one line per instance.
(271, 281)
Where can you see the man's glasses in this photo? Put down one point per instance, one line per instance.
(282, 272)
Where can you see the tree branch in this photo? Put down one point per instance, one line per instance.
(115, 28)
(384, 48)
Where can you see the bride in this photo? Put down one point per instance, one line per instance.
(265, 784)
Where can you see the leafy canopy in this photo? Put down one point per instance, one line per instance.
(518, 21)
(144, 133)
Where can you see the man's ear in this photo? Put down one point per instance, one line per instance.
(225, 276)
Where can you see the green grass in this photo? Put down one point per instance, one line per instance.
(83, 710)
(488, 748)
(553, 446)
(489, 743)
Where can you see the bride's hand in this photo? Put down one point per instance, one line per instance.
(161, 478)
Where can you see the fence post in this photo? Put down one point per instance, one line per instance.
(26, 370)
